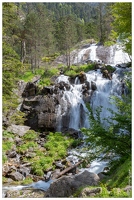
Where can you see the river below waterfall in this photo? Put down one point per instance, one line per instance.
(78, 112)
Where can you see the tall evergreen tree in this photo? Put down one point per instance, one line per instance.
(66, 35)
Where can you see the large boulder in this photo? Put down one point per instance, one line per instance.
(18, 129)
(66, 186)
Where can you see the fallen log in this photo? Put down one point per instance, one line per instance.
(37, 178)
(68, 169)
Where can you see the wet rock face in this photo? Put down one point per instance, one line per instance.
(30, 90)
(82, 77)
(41, 112)
(103, 53)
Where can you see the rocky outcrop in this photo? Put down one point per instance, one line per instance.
(106, 74)
(82, 77)
(18, 129)
(90, 192)
(50, 107)
(66, 186)
(41, 111)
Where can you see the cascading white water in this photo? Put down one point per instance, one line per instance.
(101, 97)
(113, 55)
(118, 56)
(74, 104)
(91, 54)
(78, 112)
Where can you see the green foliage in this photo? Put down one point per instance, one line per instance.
(17, 118)
(47, 75)
(50, 58)
(122, 24)
(71, 73)
(76, 142)
(4, 158)
(45, 82)
(11, 68)
(27, 76)
(40, 164)
(114, 193)
(120, 174)
(25, 146)
(26, 181)
(30, 135)
(56, 148)
(109, 68)
(8, 134)
(57, 145)
(75, 70)
(6, 144)
(105, 193)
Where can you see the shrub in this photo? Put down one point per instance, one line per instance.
(23, 148)
(30, 135)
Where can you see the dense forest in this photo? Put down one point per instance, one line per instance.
(34, 35)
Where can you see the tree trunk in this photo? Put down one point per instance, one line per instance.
(23, 51)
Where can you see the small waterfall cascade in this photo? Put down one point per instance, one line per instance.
(112, 55)
(101, 97)
(73, 105)
(89, 53)
(117, 55)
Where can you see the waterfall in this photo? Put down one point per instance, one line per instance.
(112, 55)
(85, 54)
(101, 97)
(73, 113)
(119, 56)
(72, 105)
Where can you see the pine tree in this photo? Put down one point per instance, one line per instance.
(66, 36)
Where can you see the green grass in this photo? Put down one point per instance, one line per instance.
(75, 70)
(27, 76)
(6, 144)
(46, 74)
